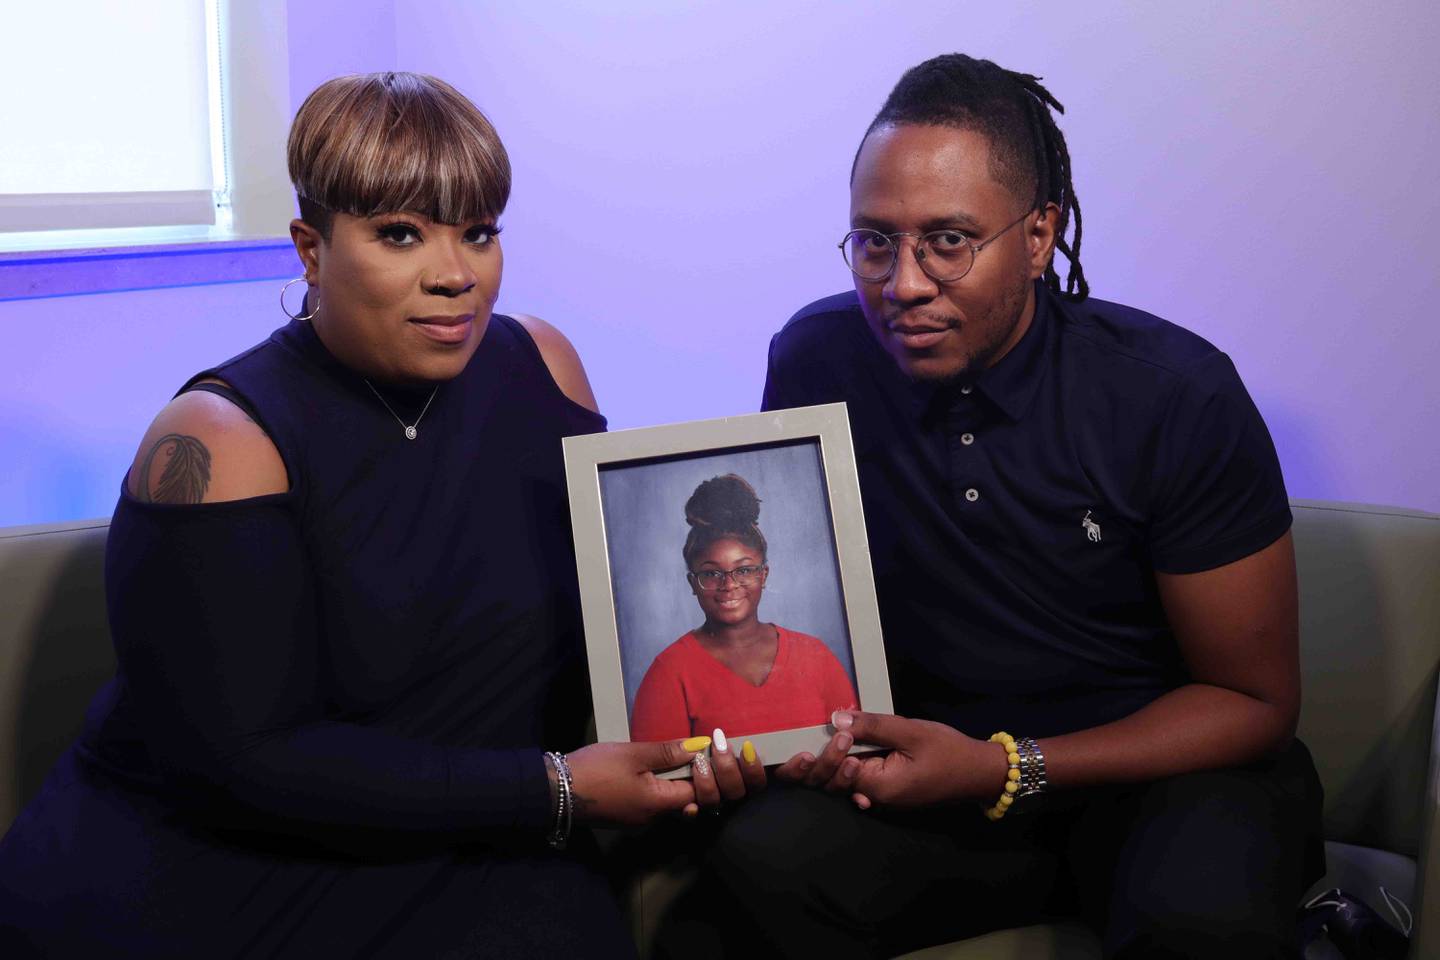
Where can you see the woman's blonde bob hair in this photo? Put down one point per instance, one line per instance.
(389, 142)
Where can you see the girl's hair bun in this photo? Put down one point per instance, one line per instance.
(724, 507)
(726, 502)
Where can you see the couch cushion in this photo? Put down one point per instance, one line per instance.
(54, 648)
(1370, 649)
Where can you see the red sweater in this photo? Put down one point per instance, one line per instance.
(687, 691)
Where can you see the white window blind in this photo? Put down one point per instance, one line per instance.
(110, 114)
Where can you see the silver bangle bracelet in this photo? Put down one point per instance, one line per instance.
(564, 800)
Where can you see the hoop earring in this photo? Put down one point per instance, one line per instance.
(292, 316)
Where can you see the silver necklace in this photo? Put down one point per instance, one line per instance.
(410, 431)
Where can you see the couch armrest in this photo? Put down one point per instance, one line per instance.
(1426, 934)
(54, 648)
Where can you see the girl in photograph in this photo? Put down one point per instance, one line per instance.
(735, 672)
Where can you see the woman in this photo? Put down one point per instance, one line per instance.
(342, 595)
(733, 673)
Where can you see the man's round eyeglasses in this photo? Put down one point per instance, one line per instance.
(746, 576)
(944, 255)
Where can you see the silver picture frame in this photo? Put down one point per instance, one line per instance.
(627, 463)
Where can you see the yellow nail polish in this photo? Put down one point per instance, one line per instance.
(694, 744)
(748, 752)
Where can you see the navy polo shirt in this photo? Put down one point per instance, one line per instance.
(1016, 523)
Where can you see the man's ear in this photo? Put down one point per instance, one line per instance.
(1040, 236)
(307, 242)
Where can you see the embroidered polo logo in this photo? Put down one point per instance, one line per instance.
(1092, 529)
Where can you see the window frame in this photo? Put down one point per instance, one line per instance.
(249, 239)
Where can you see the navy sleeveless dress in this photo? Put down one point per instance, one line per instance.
(324, 734)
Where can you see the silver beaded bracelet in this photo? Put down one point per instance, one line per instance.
(564, 800)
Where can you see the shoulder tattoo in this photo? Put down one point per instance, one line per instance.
(186, 475)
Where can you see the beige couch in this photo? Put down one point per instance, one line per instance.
(1370, 626)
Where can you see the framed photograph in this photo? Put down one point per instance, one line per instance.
(725, 580)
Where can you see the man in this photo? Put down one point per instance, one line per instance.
(1080, 536)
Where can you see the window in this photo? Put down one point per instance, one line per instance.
(114, 116)
(196, 94)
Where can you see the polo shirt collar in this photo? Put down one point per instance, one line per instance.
(1011, 383)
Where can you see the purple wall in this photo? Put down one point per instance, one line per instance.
(83, 376)
(329, 38)
(1258, 173)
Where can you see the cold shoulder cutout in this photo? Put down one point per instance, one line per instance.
(562, 360)
(205, 447)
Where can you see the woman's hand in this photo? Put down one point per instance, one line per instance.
(615, 783)
(929, 763)
(730, 773)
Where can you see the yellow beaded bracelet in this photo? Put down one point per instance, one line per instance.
(1012, 776)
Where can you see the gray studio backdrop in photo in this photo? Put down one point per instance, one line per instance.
(644, 508)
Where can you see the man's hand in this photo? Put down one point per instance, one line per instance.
(929, 763)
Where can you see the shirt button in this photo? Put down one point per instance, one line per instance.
(972, 494)
(967, 438)
(966, 390)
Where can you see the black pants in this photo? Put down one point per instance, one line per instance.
(1206, 864)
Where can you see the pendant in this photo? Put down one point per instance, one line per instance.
(409, 433)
